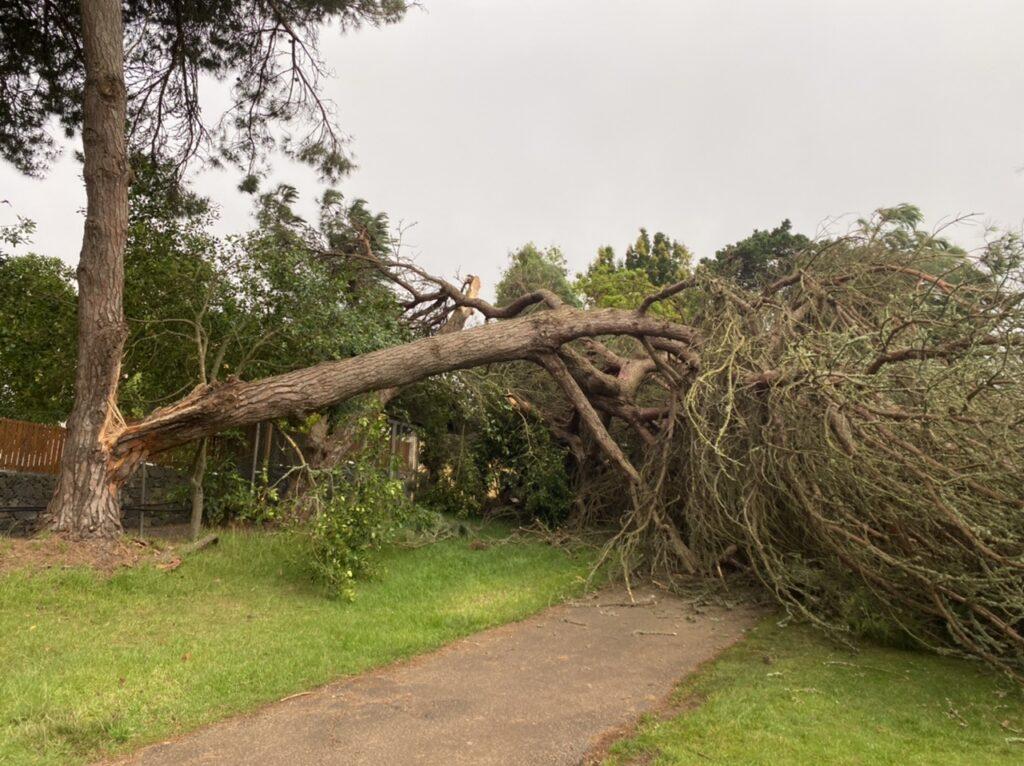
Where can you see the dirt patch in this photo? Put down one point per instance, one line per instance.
(52, 552)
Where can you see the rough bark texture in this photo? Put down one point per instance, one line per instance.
(85, 503)
(235, 403)
(328, 446)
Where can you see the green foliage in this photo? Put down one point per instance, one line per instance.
(460, 486)
(357, 509)
(172, 290)
(238, 625)
(201, 309)
(482, 453)
(530, 268)
(181, 45)
(14, 234)
(443, 410)
(663, 259)
(37, 335)
(526, 465)
(899, 230)
(763, 256)
(608, 285)
(361, 510)
(230, 497)
(648, 265)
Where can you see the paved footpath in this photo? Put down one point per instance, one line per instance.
(540, 691)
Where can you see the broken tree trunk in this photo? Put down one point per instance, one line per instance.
(237, 403)
(328, 445)
(86, 503)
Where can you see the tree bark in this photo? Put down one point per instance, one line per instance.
(86, 502)
(236, 403)
(195, 483)
(329, 446)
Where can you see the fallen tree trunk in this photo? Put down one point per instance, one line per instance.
(329, 443)
(235, 403)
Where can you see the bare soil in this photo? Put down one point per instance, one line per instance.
(35, 554)
(52, 552)
(548, 690)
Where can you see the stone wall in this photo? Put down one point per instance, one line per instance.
(25, 490)
(156, 486)
(23, 495)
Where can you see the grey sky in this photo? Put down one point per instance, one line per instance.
(574, 122)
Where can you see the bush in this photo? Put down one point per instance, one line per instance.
(356, 509)
(232, 497)
(481, 452)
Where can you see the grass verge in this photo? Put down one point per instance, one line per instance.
(791, 696)
(94, 665)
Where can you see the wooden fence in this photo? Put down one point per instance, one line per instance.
(36, 448)
(30, 447)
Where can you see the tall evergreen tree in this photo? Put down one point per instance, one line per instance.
(663, 259)
(756, 260)
(101, 65)
(531, 268)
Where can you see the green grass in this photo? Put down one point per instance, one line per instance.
(790, 696)
(94, 665)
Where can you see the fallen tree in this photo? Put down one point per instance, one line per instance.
(854, 438)
(234, 403)
(851, 433)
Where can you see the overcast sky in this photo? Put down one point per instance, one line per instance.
(489, 123)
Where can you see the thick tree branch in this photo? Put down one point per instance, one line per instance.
(236, 403)
(557, 369)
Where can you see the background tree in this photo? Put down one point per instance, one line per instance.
(37, 338)
(202, 309)
(268, 49)
(763, 256)
(67, 62)
(531, 268)
(663, 259)
(624, 283)
(482, 452)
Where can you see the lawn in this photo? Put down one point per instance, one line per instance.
(94, 665)
(787, 695)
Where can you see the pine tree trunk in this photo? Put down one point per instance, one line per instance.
(86, 502)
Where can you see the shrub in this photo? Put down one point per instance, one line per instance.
(356, 509)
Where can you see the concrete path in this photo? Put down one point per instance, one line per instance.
(541, 691)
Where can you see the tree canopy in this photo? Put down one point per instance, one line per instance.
(648, 264)
(268, 49)
(37, 338)
(663, 259)
(199, 307)
(531, 268)
(764, 255)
